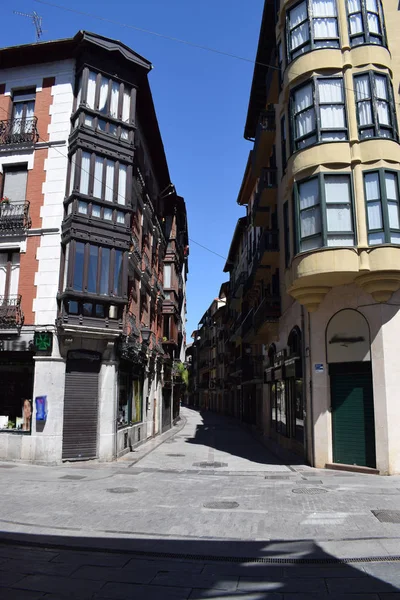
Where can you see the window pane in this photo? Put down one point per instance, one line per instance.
(79, 94)
(297, 14)
(121, 217)
(395, 238)
(108, 214)
(374, 210)
(373, 23)
(303, 97)
(78, 267)
(98, 177)
(126, 107)
(393, 210)
(372, 188)
(391, 186)
(333, 136)
(339, 218)
(84, 173)
(103, 95)
(337, 189)
(167, 276)
(72, 174)
(82, 207)
(311, 244)
(109, 192)
(332, 117)
(91, 91)
(87, 309)
(362, 87)
(117, 288)
(340, 240)
(102, 124)
(383, 112)
(376, 238)
(305, 122)
(325, 28)
(122, 184)
(95, 211)
(92, 271)
(324, 8)
(308, 193)
(88, 120)
(310, 221)
(299, 36)
(114, 99)
(105, 271)
(372, 5)
(124, 134)
(356, 24)
(381, 87)
(330, 90)
(14, 275)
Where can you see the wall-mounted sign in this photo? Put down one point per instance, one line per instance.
(319, 368)
(41, 408)
(43, 341)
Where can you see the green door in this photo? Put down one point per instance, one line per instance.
(353, 414)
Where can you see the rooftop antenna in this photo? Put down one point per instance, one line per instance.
(36, 20)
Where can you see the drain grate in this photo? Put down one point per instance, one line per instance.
(309, 491)
(73, 477)
(176, 455)
(212, 465)
(387, 516)
(122, 490)
(223, 505)
(280, 477)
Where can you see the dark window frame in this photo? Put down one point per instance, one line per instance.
(365, 33)
(283, 143)
(23, 92)
(9, 264)
(318, 131)
(286, 233)
(386, 229)
(373, 100)
(324, 233)
(311, 41)
(72, 208)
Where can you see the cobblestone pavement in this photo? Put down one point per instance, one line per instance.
(209, 513)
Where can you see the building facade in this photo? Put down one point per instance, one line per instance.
(88, 215)
(322, 233)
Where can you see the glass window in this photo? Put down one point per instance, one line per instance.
(375, 107)
(84, 173)
(366, 24)
(112, 98)
(382, 202)
(78, 266)
(117, 288)
(324, 212)
(167, 276)
(92, 269)
(82, 207)
(318, 112)
(96, 211)
(311, 24)
(120, 217)
(283, 143)
(105, 271)
(103, 178)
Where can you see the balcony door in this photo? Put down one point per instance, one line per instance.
(23, 111)
(14, 185)
(9, 298)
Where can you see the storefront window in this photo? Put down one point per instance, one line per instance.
(281, 409)
(129, 400)
(16, 402)
(136, 402)
(298, 411)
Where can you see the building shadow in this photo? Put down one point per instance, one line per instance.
(62, 566)
(227, 435)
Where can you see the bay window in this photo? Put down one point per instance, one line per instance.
(375, 106)
(310, 25)
(324, 212)
(366, 24)
(99, 177)
(318, 112)
(95, 269)
(382, 204)
(105, 95)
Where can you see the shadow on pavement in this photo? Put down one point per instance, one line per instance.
(56, 567)
(225, 434)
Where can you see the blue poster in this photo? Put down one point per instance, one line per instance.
(41, 408)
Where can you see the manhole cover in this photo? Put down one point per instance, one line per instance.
(309, 491)
(220, 505)
(122, 490)
(212, 465)
(73, 477)
(176, 455)
(387, 516)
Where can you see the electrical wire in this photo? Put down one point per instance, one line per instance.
(208, 249)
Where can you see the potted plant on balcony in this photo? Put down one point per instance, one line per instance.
(5, 200)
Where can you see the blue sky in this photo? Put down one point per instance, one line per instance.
(201, 100)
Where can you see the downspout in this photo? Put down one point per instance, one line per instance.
(311, 395)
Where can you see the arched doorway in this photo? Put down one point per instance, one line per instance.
(352, 402)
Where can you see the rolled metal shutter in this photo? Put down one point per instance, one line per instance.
(80, 410)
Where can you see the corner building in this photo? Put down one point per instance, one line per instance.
(88, 218)
(325, 171)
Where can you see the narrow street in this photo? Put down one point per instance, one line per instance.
(208, 513)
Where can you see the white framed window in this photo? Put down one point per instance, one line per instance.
(311, 25)
(376, 114)
(366, 22)
(167, 276)
(381, 189)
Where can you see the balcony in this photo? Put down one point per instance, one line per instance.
(252, 369)
(265, 135)
(266, 319)
(267, 254)
(14, 218)
(265, 197)
(11, 315)
(19, 131)
(248, 324)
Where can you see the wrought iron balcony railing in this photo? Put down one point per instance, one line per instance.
(269, 310)
(252, 368)
(19, 131)
(11, 315)
(14, 217)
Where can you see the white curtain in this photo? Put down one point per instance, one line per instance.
(297, 15)
(309, 193)
(338, 218)
(126, 107)
(84, 172)
(18, 112)
(103, 95)
(14, 279)
(382, 98)
(96, 211)
(109, 192)
(91, 90)
(395, 238)
(79, 94)
(98, 177)
(305, 123)
(392, 198)
(376, 238)
(72, 174)
(108, 214)
(114, 100)
(3, 273)
(373, 23)
(332, 116)
(337, 189)
(356, 24)
(82, 207)
(373, 197)
(372, 5)
(354, 6)
(340, 240)
(364, 108)
(120, 217)
(299, 36)
(122, 184)
(310, 213)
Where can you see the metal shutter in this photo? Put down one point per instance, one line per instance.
(80, 410)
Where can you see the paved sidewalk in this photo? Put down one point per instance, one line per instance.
(208, 513)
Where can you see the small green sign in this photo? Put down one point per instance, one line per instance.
(43, 341)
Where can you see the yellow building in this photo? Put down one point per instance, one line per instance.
(323, 178)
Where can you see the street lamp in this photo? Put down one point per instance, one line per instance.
(146, 333)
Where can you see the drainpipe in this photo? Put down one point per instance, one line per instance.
(311, 395)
